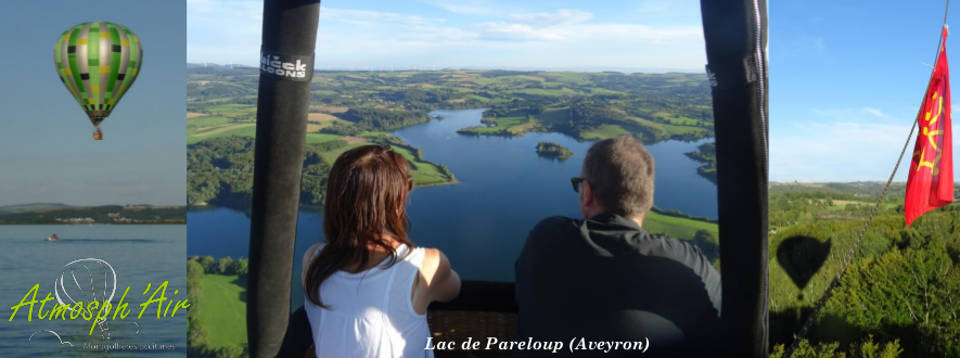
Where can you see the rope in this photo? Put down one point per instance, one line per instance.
(866, 225)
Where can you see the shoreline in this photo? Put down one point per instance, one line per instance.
(91, 224)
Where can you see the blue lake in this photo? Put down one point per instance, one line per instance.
(138, 254)
(481, 223)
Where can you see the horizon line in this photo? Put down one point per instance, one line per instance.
(447, 68)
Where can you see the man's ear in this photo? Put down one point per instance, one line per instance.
(587, 192)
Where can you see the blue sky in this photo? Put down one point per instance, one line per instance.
(48, 153)
(846, 81)
(648, 35)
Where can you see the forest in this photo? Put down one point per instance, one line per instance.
(553, 151)
(706, 154)
(900, 296)
(104, 214)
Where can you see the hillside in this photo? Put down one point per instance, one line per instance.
(899, 290)
(23, 208)
(107, 214)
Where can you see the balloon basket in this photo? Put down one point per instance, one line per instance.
(98, 135)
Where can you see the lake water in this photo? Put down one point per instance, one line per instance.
(138, 254)
(480, 223)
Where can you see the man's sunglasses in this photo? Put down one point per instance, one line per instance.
(576, 181)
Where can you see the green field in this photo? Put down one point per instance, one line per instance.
(508, 126)
(424, 172)
(223, 312)
(228, 129)
(677, 227)
(604, 131)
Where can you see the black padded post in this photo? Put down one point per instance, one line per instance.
(735, 33)
(286, 67)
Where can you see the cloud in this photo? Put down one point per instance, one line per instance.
(875, 112)
(350, 38)
(834, 151)
(566, 24)
(548, 26)
(378, 18)
(464, 7)
(840, 145)
(557, 17)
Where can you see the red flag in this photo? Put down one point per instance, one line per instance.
(930, 184)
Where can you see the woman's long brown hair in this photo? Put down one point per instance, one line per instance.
(366, 197)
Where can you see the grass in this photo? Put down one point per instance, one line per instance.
(239, 129)
(232, 109)
(604, 131)
(424, 173)
(677, 227)
(514, 126)
(223, 313)
(244, 129)
(206, 122)
(548, 92)
(321, 137)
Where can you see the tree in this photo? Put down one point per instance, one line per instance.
(223, 266)
(196, 336)
(239, 267)
(194, 276)
(229, 352)
(208, 263)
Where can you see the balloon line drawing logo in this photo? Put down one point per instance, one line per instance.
(90, 270)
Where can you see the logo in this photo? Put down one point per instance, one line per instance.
(287, 67)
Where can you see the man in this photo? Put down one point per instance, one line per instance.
(604, 278)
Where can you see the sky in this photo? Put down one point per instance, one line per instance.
(45, 137)
(846, 82)
(633, 35)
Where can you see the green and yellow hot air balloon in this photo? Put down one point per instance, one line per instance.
(98, 62)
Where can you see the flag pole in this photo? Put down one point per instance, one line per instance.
(853, 249)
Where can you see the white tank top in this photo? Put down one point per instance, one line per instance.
(371, 314)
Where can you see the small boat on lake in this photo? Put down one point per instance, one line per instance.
(53, 237)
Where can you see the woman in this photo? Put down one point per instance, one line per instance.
(368, 286)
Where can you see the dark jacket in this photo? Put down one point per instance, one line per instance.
(607, 279)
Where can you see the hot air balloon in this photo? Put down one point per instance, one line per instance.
(98, 62)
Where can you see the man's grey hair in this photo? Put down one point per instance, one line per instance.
(620, 171)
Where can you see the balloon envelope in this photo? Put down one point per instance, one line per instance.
(98, 62)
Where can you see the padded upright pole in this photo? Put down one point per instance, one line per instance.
(286, 67)
(736, 39)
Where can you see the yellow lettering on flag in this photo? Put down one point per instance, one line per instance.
(931, 117)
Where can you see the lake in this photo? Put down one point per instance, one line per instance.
(138, 254)
(480, 223)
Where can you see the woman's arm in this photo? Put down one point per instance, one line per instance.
(437, 281)
(446, 285)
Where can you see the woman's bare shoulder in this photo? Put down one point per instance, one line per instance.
(309, 254)
(432, 260)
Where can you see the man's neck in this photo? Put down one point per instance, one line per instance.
(635, 218)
